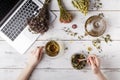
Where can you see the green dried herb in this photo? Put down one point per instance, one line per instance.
(89, 49)
(107, 38)
(81, 5)
(65, 16)
(71, 33)
(96, 4)
(80, 37)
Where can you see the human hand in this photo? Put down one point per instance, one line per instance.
(35, 57)
(94, 62)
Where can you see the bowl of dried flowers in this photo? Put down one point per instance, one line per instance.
(78, 61)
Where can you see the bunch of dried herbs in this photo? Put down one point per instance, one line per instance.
(65, 16)
(40, 23)
(81, 5)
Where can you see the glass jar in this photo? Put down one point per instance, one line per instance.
(95, 25)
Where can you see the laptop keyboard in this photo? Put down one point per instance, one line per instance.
(17, 23)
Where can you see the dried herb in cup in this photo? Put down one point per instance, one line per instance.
(52, 48)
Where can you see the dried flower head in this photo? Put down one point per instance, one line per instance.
(81, 5)
(40, 23)
(65, 16)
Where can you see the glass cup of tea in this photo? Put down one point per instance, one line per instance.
(54, 48)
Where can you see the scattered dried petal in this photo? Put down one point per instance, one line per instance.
(74, 26)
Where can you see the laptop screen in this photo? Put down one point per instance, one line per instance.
(6, 6)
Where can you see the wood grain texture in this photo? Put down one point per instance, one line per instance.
(106, 5)
(58, 74)
(9, 58)
(11, 62)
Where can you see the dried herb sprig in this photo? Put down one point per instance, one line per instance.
(107, 38)
(81, 5)
(65, 16)
(96, 5)
(74, 34)
(97, 42)
(70, 32)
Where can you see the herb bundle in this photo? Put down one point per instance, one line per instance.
(65, 16)
(81, 5)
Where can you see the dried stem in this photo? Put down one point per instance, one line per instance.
(65, 16)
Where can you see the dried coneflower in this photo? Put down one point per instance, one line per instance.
(65, 16)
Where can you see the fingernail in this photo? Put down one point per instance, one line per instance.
(38, 47)
(43, 46)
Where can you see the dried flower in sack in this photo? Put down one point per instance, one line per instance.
(40, 23)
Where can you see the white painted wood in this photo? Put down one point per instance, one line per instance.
(58, 74)
(1, 38)
(11, 62)
(110, 57)
(112, 19)
(107, 5)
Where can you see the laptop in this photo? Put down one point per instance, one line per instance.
(13, 28)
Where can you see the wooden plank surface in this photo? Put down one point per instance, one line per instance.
(112, 19)
(9, 58)
(64, 74)
(11, 62)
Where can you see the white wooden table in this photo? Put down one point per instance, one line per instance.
(11, 62)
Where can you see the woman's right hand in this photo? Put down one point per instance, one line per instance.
(94, 62)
